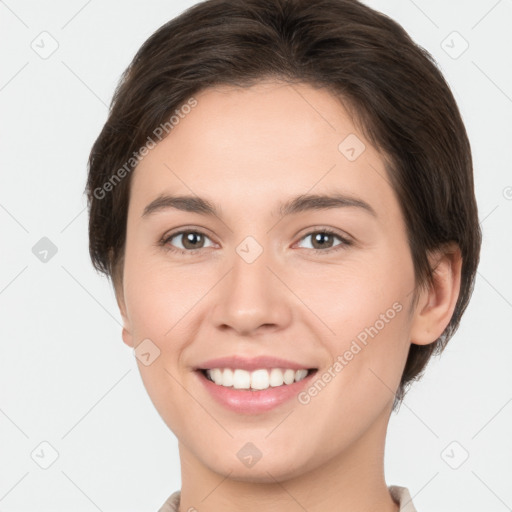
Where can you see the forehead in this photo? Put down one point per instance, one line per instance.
(270, 140)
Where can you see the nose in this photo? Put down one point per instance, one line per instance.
(252, 298)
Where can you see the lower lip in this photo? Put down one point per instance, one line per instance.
(246, 401)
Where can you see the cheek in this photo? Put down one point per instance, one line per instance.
(369, 316)
(160, 304)
(364, 305)
(351, 296)
(158, 295)
(374, 337)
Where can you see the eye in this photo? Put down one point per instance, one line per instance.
(322, 240)
(191, 240)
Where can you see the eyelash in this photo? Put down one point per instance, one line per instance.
(344, 241)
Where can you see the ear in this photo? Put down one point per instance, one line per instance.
(126, 332)
(437, 302)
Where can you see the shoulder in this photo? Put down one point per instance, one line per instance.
(172, 503)
(402, 496)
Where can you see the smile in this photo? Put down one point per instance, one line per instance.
(256, 380)
(259, 391)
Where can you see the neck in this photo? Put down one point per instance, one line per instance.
(349, 481)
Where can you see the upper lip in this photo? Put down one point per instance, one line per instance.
(251, 364)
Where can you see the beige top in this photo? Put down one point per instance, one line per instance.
(399, 494)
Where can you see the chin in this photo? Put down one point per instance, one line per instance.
(265, 470)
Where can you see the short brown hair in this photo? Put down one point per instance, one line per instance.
(391, 86)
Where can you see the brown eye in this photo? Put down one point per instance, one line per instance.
(192, 240)
(187, 241)
(324, 240)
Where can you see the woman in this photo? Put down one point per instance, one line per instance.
(283, 198)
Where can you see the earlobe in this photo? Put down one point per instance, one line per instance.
(127, 337)
(126, 331)
(436, 304)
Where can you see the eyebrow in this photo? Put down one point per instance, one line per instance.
(302, 203)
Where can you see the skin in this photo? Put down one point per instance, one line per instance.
(248, 150)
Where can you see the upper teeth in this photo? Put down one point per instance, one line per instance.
(258, 379)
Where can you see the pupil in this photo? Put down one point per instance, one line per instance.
(320, 238)
(190, 238)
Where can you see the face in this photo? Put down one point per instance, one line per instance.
(322, 284)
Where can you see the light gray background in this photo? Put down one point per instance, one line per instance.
(67, 379)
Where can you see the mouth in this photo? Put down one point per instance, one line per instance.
(254, 392)
(257, 380)
(253, 385)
